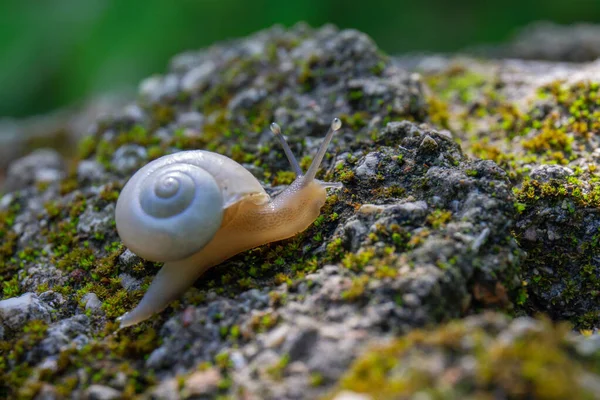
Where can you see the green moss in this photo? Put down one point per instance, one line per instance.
(102, 360)
(284, 178)
(537, 364)
(355, 95)
(161, 115)
(263, 322)
(555, 190)
(356, 289)
(457, 83)
(14, 352)
(68, 185)
(11, 288)
(357, 261)
(345, 176)
(438, 112)
(277, 370)
(378, 68)
(439, 218)
(110, 192)
(87, 146)
(316, 379)
(355, 121)
(53, 209)
(307, 75)
(223, 361)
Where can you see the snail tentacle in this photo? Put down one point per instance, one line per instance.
(336, 125)
(276, 129)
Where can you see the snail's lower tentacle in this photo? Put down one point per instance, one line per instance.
(172, 280)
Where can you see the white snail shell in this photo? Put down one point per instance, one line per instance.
(172, 207)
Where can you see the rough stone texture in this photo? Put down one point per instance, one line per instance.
(17, 311)
(523, 358)
(419, 234)
(539, 122)
(549, 41)
(61, 130)
(41, 166)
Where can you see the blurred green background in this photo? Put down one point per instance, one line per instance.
(56, 52)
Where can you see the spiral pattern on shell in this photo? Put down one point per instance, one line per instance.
(169, 210)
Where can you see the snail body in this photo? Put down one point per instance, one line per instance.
(193, 210)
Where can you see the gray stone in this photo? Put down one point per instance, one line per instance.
(91, 301)
(544, 173)
(101, 392)
(428, 145)
(247, 99)
(202, 383)
(550, 41)
(348, 395)
(53, 299)
(192, 120)
(168, 389)
(69, 332)
(18, 311)
(195, 78)
(92, 221)
(158, 88)
(44, 165)
(129, 283)
(90, 171)
(368, 166)
(129, 157)
(300, 344)
(128, 259)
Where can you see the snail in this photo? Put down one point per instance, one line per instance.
(195, 209)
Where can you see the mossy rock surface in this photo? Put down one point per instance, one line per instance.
(479, 357)
(422, 232)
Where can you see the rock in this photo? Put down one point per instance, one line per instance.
(247, 99)
(128, 259)
(91, 301)
(158, 88)
(549, 41)
(368, 168)
(41, 166)
(202, 383)
(168, 389)
(424, 230)
(18, 311)
(431, 359)
(129, 158)
(348, 395)
(62, 334)
(129, 283)
(92, 221)
(42, 274)
(47, 392)
(428, 145)
(192, 120)
(301, 344)
(545, 173)
(101, 392)
(196, 77)
(277, 336)
(90, 171)
(52, 299)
